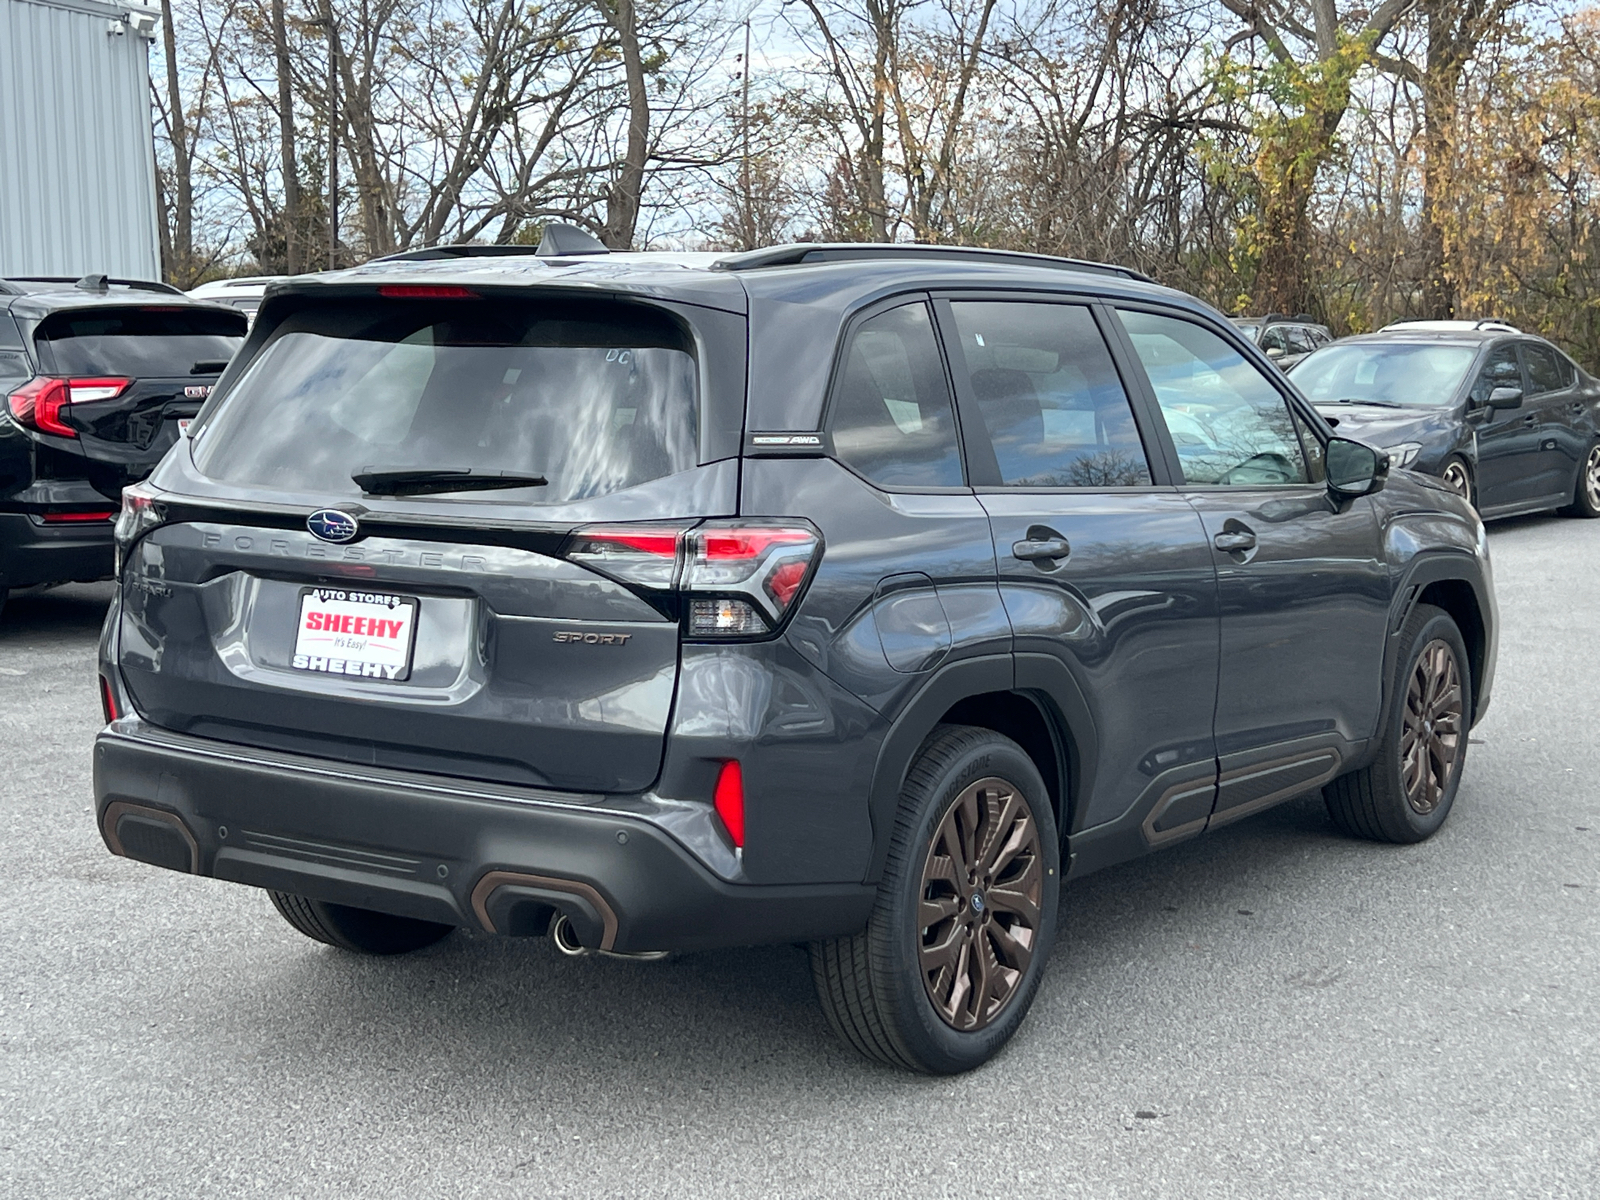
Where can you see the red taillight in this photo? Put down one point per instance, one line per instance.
(77, 518)
(414, 291)
(729, 800)
(37, 404)
(740, 577)
(108, 701)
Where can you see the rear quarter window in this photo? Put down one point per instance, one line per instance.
(593, 397)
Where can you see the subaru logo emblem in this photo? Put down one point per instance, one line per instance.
(331, 525)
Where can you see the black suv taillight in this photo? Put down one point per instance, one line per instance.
(38, 403)
(736, 578)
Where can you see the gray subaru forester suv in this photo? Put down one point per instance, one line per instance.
(848, 595)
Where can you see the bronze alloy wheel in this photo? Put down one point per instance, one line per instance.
(1430, 740)
(1456, 479)
(982, 886)
(1591, 477)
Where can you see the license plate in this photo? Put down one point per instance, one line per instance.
(364, 635)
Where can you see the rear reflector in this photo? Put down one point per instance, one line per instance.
(408, 291)
(108, 701)
(77, 518)
(729, 799)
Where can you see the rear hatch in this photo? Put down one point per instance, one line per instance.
(436, 534)
(114, 383)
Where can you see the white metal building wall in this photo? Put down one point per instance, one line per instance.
(77, 184)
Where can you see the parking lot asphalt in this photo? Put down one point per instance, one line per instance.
(1271, 1010)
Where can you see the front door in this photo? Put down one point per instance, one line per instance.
(1106, 578)
(1302, 582)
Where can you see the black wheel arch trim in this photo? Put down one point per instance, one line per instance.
(1041, 679)
(1439, 567)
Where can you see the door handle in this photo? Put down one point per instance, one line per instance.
(1235, 540)
(1036, 549)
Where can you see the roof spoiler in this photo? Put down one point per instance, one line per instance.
(558, 241)
(101, 283)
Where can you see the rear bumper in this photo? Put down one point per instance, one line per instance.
(425, 847)
(32, 553)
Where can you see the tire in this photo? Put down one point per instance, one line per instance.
(358, 930)
(1457, 476)
(1586, 493)
(1376, 801)
(874, 986)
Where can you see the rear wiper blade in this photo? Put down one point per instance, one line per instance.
(1372, 403)
(420, 481)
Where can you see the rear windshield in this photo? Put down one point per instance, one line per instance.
(144, 343)
(592, 397)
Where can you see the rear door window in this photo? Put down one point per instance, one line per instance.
(1049, 395)
(594, 398)
(891, 415)
(14, 364)
(1229, 425)
(1544, 370)
(144, 342)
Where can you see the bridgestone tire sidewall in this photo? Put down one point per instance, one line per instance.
(928, 1042)
(1438, 626)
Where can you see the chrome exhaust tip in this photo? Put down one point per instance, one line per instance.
(566, 937)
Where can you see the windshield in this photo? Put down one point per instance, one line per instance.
(1422, 376)
(145, 343)
(593, 400)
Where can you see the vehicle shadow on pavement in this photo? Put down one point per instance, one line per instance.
(68, 611)
(520, 1014)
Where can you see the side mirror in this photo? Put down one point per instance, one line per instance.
(1354, 469)
(1505, 397)
(1275, 351)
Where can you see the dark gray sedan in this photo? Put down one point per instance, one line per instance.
(1504, 418)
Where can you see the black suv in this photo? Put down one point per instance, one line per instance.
(847, 595)
(1504, 418)
(96, 376)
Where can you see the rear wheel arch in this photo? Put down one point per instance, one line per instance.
(1047, 717)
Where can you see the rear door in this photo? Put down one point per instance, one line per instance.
(1508, 438)
(136, 371)
(1553, 395)
(1106, 577)
(1302, 581)
(397, 622)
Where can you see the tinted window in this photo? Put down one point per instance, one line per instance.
(1229, 425)
(594, 398)
(1300, 341)
(891, 415)
(1421, 374)
(146, 343)
(1544, 369)
(1502, 370)
(1316, 468)
(14, 365)
(1050, 396)
(1275, 338)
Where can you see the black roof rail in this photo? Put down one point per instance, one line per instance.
(818, 252)
(97, 283)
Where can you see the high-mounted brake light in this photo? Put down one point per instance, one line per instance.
(419, 291)
(37, 404)
(729, 800)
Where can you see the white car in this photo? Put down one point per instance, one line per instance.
(244, 293)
